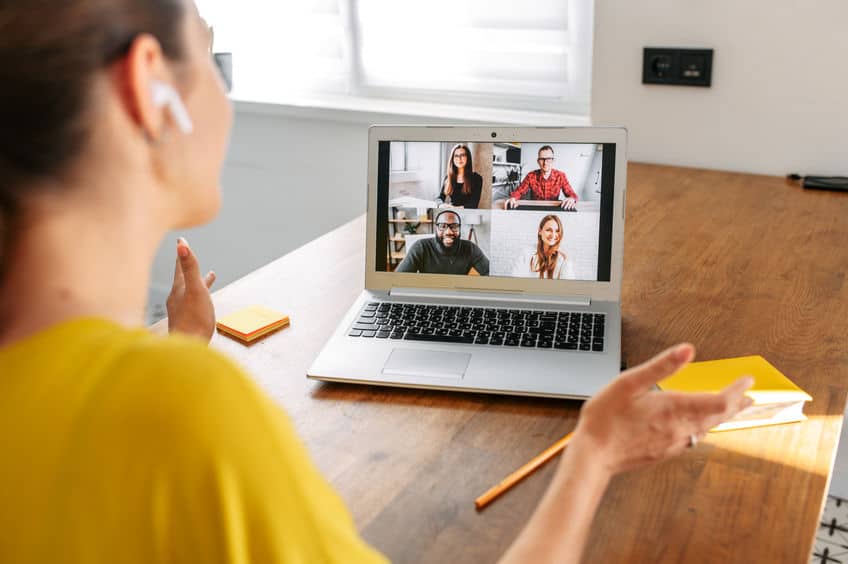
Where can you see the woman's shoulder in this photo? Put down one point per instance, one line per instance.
(130, 379)
(172, 348)
(132, 365)
(176, 362)
(102, 347)
(180, 384)
(563, 269)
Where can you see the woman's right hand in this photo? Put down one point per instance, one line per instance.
(190, 308)
(630, 425)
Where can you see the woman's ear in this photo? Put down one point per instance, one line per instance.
(142, 68)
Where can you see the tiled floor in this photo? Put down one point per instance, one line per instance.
(831, 546)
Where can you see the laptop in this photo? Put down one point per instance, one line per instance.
(493, 262)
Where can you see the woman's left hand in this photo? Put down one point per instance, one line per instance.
(190, 309)
(628, 424)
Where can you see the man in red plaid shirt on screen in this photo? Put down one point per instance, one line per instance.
(545, 183)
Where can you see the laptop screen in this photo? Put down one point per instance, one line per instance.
(520, 210)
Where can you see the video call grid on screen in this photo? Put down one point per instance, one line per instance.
(506, 209)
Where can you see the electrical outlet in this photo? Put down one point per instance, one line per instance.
(685, 67)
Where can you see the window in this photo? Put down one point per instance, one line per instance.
(520, 55)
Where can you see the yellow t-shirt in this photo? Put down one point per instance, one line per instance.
(121, 446)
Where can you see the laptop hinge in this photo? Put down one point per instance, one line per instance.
(481, 296)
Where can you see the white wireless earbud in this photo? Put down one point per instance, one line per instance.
(165, 95)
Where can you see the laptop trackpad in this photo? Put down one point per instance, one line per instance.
(427, 363)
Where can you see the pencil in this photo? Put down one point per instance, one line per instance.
(522, 472)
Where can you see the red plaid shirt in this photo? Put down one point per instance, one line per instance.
(545, 189)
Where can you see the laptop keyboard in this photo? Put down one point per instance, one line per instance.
(523, 328)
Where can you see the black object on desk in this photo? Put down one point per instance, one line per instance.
(836, 183)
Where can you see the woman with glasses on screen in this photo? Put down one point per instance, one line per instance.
(461, 187)
(123, 446)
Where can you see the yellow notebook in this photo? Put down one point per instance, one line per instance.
(252, 322)
(776, 398)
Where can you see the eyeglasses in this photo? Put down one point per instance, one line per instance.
(460, 156)
(451, 226)
(546, 159)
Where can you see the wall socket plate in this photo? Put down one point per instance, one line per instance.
(685, 67)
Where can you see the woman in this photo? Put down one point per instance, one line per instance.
(462, 186)
(121, 446)
(548, 261)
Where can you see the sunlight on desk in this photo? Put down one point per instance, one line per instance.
(772, 443)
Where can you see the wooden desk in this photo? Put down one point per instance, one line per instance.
(737, 264)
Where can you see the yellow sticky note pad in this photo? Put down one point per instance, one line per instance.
(252, 322)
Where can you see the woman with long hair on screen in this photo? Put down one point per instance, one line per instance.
(549, 261)
(461, 187)
(124, 446)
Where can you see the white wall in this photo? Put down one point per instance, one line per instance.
(286, 181)
(779, 99)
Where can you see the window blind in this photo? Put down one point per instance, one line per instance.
(297, 46)
(533, 54)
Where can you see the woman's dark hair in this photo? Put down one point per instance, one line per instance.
(450, 182)
(50, 53)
